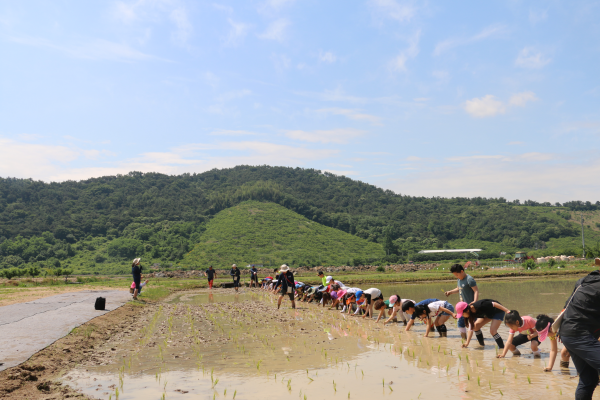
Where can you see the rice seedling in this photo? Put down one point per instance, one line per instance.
(529, 380)
(501, 394)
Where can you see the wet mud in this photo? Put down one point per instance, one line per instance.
(198, 345)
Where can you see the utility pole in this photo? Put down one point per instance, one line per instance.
(582, 236)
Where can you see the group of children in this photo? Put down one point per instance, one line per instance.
(471, 312)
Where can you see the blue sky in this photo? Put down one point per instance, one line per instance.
(473, 98)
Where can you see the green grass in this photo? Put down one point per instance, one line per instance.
(269, 234)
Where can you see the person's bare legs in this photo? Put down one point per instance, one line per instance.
(135, 293)
(279, 301)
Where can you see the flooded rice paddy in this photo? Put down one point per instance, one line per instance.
(228, 346)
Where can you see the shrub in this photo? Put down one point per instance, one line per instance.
(380, 269)
(552, 262)
(529, 264)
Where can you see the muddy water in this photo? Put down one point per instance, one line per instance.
(240, 345)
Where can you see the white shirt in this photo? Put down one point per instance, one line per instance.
(434, 308)
(374, 292)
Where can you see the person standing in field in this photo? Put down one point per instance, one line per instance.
(235, 274)
(468, 291)
(253, 276)
(136, 271)
(579, 331)
(286, 281)
(210, 273)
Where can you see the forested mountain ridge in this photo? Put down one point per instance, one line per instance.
(41, 221)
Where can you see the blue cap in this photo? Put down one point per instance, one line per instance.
(358, 294)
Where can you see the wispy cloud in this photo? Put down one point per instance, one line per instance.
(183, 25)
(327, 57)
(152, 12)
(353, 114)
(277, 30)
(237, 33)
(489, 105)
(491, 31)
(536, 16)
(398, 63)
(57, 163)
(531, 58)
(226, 132)
(339, 95)
(537, 176)
(93, 49)
(401, 11)
(342, 135)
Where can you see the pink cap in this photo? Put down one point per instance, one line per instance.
(393, 300)
(542, 335)
(460, 307)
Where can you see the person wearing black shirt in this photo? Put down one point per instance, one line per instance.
(136, 271)
(480, 313)
(580, 330)
(210, 273)
(253, 276)
(235, 274)
(286, 281)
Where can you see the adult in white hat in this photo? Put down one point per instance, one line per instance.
(136, 271)
(235, 274)
(287, 284)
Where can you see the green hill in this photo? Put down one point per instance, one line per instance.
(269, 234)
(96, 225)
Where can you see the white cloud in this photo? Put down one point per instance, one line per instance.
(276, 4)
(95, 49)
(212, 79)
(486, 106)
(341, 135)
(237, 33)
(489, 32)
(56, 163)
(537, 176)
(153, 11)
(530, 58)
(226, 132)
(327, 57)
(398, 64)
(536, 16)
(489, 105)
(517, 143)
(520, 99)
(281, 62)
(400, 11)
(184, 27)
(340, 173)
(353, 114)
(338, 95)
(276, 30)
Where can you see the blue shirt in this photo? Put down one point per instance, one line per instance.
(423, 303)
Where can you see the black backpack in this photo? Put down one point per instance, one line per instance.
(100, 303)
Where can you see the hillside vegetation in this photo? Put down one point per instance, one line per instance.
(100, 223)
(269, 234)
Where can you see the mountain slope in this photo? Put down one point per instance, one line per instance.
(267, 233)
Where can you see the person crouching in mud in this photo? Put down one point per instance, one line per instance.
(286, 281)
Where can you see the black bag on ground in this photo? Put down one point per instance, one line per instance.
(100, 303)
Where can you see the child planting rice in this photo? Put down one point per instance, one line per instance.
(527, 333)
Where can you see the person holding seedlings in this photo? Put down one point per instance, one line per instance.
(543, 326)
(136, 271)
(330, 281)
(235, 274)
(479, 314)
(527, 333)
(339, 298)
(435, 314)
(396, 302)
(350, 292)
(370, 296)
(286, 280)
(384, 308)
(579, 331)
(321, 275)
(253, 276)
(210, 274)
(467, 290)
(409, 308)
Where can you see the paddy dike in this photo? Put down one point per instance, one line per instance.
(198, 344)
